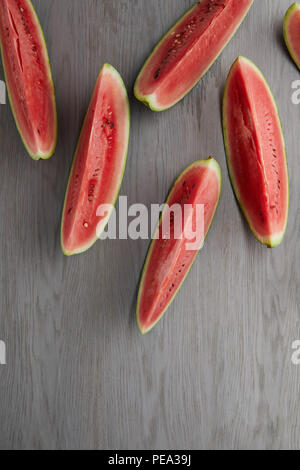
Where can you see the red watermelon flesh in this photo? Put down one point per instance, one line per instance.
(28, 77)
(98, 165)
(291, 31)
(188, 50)
(256, 152)
(169, 260)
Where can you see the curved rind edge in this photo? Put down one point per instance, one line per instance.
(293, 8)
(270, 242)
(43, 41)
(208, 162)
(150, 102)
(87, 247)
(145, 99)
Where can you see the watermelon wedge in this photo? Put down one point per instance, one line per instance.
(170, 258)
(28, 77)
(255, 152)
(291, 32)
(98, 165)
(187, 51)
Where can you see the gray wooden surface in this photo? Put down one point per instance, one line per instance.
(216, 373)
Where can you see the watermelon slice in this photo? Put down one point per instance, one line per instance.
(291, 32)
(187, 51)
(256, 152)
(99, 163)
(28, 77)
(170, 258)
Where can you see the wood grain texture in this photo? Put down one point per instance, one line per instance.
(216, 373)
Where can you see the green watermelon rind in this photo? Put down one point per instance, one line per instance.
(212, 163)
(44, 46)
(87, 247)
(270, 242)
(147, 99)
(290, 12)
